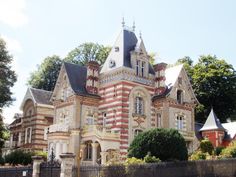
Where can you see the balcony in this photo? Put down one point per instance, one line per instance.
(62, 127)
(188, 135)
(100, 132)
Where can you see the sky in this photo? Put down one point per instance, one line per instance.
(172, 29)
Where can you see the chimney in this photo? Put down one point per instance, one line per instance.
(160, 78)
(92, 77)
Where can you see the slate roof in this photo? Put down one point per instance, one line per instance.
(212, 123)
(127, 42)
(77, 76)
(41, 96)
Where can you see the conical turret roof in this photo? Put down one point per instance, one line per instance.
(212, 123)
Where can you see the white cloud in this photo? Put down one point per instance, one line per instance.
(12, 12)
(12, 44)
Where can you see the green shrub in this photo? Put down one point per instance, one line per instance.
(2, 161)
(41, 153)
(151, 159)
(19, 157)
(165, 144)
(230, 151)
(198, 155)
(133, 161)
(218, 150)
(206, 146)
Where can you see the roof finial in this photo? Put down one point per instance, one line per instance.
(133, 26)
(123, 22)
(140, 34)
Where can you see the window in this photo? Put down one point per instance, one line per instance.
(142, 69)
(137, 131)
(139, 105)
(116, 49)
(137, 67)
(180, 96)
(88, 151)
(104, 116)
(158, 120)
(28, 135)
(90, 120)
(46, 131)
(180, 122)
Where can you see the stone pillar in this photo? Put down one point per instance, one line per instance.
(57, 150)
(37, 160)
(67, 163)
(103, 157)
(94, 152)
(74, 146)
(82, 148)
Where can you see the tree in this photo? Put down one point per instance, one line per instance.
(7, 76)
(88, 51)
(45, 76)
(214, 84)
(165, 144)
(206, 146)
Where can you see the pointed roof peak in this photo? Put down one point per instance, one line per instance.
(212, 122)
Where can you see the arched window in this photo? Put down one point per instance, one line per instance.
(88, 151)
(139, 105)
(180, 122)
(180, 96)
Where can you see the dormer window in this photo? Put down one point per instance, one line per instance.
(142, 68)
(116, 49)
(137, 67)
(180, 96)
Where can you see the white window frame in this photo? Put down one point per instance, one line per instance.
(180, 122)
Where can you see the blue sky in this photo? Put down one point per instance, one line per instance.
(172, 29)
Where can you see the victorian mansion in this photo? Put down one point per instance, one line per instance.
(99, 110)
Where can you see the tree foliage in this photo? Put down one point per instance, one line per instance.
(206, 146)
(7, 76)
(88, 51)
(214, 83)
(165, 144)
(45, 76)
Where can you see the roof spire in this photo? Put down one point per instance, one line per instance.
(123, 22)
(140, 34)
(133, 26)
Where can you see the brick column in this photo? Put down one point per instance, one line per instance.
(37, 160)
(67, 162)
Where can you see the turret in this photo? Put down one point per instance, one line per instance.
(92, 77)
(160, 78)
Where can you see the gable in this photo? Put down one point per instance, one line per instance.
(178, 80)
(61, 85)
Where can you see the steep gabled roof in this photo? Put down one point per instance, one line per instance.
(38, 96)
(77, 77)
(212, 123)
(41, 96)
(120, 52)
